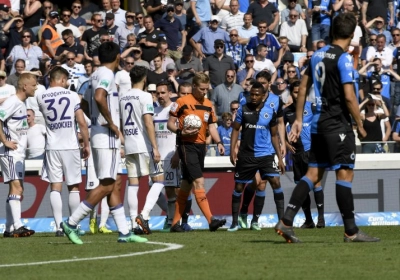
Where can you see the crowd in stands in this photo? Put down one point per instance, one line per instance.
(232, 41)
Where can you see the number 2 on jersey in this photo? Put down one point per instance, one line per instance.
(54, 110)
(129, 107)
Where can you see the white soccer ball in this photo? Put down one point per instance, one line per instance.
(192, 121)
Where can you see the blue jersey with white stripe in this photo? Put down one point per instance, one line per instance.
(331, 68)
(256, 134)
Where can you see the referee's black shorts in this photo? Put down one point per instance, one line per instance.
(192, 160)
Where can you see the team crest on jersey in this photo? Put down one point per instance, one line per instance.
(150, 108)
(174, 107)
(272, 105)
(160, 126)
(154, 36)
(2, 113)
(104, 83)
(206, 116)
(266, 115)
(305, 113)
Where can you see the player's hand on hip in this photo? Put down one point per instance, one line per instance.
(85, 152)
(295, 131)
(156, 156)
(114, 129)
(221, 149)
(122, 152)
(361, 133)
(11, 145)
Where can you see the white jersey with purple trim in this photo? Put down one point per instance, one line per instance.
(15, 126)
(101, 136)
(135, 103)
(166, 140)
(58, 106)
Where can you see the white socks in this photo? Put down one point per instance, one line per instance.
(73, 201)
(151, 199)
(15, 206)
(119, 218)
(105, 211)
(9, 218)
(132, 198)
(80, 213)
(56, 207)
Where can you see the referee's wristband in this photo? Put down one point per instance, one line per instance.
(220, 143)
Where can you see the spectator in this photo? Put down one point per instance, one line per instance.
(110, 27)
(371, 118)
(149, 39)
(32, 104)
(155, 9)
(6, 89)
(131, 42)
(234, 49)
(33, 11)
(265, 38)
(287, 61)
(70, 45)
(281, 89)
(248, 30)
(203, 40)
(234, 107)
(124, 30)
(216, 65)
(180, 13)
(234, 20)
(19, 68)
(261, 63)
(162, 51)
(158, 75)
(292, 73)
(172, 28)
(304, 62)
(377, 8)
(263, 10)
(88, 10)
(247, 72)
(355, 47)
(66, 24)
(139, 26)
(83, 80)
(292, 6)
(172, 78)
(91, 37)
(136, 53)
(26, 51)
(122, 78)
(75, 70)
(201, 15)
(4, 18)
(371, 43)
(381, 51)
(296, 31)
(13, 29)
(225, 93)
(188, 65)
(50, 38)
(379, 28)
(103, 38)
(118, 12)
(36, 137)
(75, 19)
(106, 5)
(321, 21)
(225, 131)
(44, 66)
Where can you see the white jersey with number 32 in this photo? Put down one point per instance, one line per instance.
(58, 106)
(135, 103)
(101, 136)
(166, 140)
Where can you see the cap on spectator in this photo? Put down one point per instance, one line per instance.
(288, 56)
(171, 6)
(170, 66)
(219, 42)
(215, 18)
(178, 2)
(151, 87)
(110, 16)
(4, 8)
(3, 74)
(53, 14)
(187, 50)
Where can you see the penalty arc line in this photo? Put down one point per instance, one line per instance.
(170, 247)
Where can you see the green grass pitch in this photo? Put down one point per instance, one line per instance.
(218, 255)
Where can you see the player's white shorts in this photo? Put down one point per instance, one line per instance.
(91, 177)
(172, 177)
(12, 168)
(142, 164)
(59, 163)
(106, 162)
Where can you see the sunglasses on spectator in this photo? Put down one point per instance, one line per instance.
(379, 21)
(219, 47)
(230, 76)
(170, 10)
(233, 35)
(77, 7)
(70, 58)
(18, 20)
(293, 16)
(371, 104)
(129, 63)
(26, 36)
(2, 78)
(99, 20)
(396, 34)
(262, 27)
(234, 109)
(309, 56)
(376, 89)
(372, 40)
(104, 40)
(47, 7)
(287, 61)
(136, 51)
(130, 16)
(280, 83)
(64, 15)
(291, 71)
(249, 61)
(66, 38)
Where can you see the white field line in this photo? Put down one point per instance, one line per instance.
(170, 247)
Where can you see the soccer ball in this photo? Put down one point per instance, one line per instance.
(192, 121)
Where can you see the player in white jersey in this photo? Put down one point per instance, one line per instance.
(61, 109)
(13, 131)
(102, 103)
(141, 152)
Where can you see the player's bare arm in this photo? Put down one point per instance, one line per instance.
(234, 142)
(80, 119)
(149, 125)
(215, 136)
(9, 144)
(100, 96)
(85, 107)
(352, 105)
(275, 143)
(171, 125)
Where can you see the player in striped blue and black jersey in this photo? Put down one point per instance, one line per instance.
(300, 154)
(258, 145)
(332, 136)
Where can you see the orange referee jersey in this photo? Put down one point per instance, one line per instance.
(188, 105)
